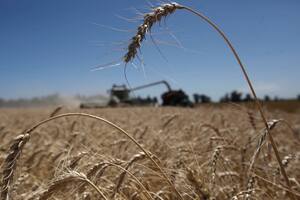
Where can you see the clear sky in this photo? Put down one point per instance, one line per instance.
(50, 46)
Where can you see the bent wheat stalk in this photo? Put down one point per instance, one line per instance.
(167, 9)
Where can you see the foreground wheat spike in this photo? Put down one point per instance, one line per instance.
(167, 9)
(70, 178)
(250, 188)
(96, 171)
(121, 178)
(10, 164)
(135, 178)
(201, 192)
(215, 158)
(75, 160)
(261, 142)
(97, 167)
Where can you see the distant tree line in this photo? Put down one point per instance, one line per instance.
(235, 96)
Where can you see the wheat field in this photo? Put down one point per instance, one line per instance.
(206, 153)
(210, 152)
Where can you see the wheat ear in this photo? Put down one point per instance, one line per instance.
(199, 190)
(10, 164)
(121, 178)
(70, 177)
(55, 111)
(95, 173)
(149, 20)
(135, 178)
(261, 142)
(75, 160)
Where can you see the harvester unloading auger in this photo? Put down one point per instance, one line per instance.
(120, 95)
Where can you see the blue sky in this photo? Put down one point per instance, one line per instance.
(50, 46)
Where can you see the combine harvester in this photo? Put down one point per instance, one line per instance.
(120, 96)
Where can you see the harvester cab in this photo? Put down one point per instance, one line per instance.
(118, 94)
